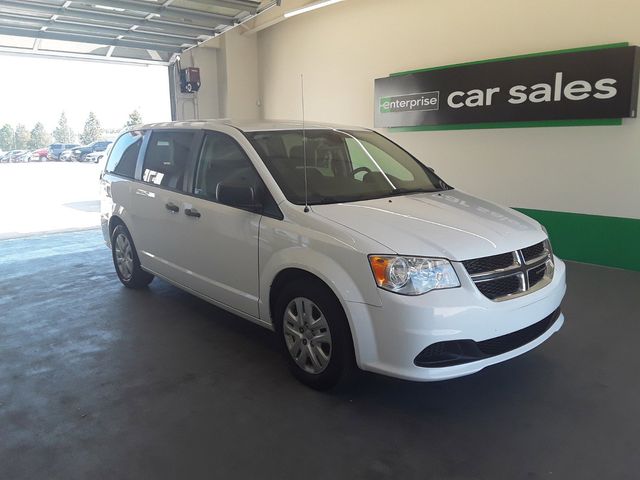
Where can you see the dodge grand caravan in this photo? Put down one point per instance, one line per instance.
(336, 238)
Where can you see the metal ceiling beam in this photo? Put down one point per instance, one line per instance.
(13, 6)
(68, 37)
(143, 25)
(246, 5)
(168, 11)
(156, 30)
(83, 29)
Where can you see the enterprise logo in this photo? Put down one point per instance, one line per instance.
(411, 102)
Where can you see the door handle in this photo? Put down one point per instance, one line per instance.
(192, 212)
(172, 207)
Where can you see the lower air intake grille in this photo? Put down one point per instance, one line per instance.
(457, 352)
(511, 341)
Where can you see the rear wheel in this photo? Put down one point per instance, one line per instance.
(314, 334)
(126, 261)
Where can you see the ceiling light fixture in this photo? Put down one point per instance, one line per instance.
(309, 8)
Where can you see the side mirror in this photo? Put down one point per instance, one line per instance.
(431, 169)
(237, 195)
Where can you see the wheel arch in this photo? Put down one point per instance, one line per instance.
(114, 221)
(334, 277)
(290, 275)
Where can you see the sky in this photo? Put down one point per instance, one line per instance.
(39, 89)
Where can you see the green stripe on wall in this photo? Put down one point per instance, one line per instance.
(530, 124)
(610, 241)
(515, 57)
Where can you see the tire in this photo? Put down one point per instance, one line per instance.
(126, 261)
(319, 352)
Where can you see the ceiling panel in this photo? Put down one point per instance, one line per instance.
(147, 31)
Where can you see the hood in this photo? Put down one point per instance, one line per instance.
(449, 224)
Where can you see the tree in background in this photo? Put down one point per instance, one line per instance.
(39, 137)
(7, 137)
(134, 119)
(22, 137)
(62, 133)
(92, 130)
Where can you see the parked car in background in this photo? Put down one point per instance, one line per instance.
(79, 153)
(39, 155)
(66, 156)
(14, 156)
(94, 157)
(22, 157)
(56, 149)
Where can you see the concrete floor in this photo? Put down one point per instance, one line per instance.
(97, 381)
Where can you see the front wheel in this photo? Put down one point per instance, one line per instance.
(314, 334)
(126, 261)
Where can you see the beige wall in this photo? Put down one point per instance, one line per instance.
(229, 76)
(341, 49)
(241, 69)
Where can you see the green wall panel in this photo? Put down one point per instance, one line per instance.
(610, 241)
(488, 125)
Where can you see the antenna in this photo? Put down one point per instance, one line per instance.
(304, 150)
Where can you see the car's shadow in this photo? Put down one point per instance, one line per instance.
(524, 377)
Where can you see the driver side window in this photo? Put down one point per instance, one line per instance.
(222, 161)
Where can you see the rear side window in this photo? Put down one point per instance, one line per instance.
(124, 154)
(166, 158)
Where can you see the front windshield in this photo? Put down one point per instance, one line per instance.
(342, 166)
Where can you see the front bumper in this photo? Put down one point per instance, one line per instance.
(389, 339)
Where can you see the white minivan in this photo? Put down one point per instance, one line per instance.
(336, 238)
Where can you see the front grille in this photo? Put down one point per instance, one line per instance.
(510, 274)
(537, 274)
(500, 287)
(488, 264)
(533, 252)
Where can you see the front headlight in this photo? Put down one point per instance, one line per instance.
(547, 242)
(412, 275)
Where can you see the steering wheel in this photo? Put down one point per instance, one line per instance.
(360, 169)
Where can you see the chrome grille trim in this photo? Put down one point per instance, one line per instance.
(520, 268)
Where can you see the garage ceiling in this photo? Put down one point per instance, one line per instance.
(135, 31)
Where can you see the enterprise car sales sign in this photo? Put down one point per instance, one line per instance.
(579, 85)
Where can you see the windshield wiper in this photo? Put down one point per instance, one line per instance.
(329, 199)
(406, 191)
